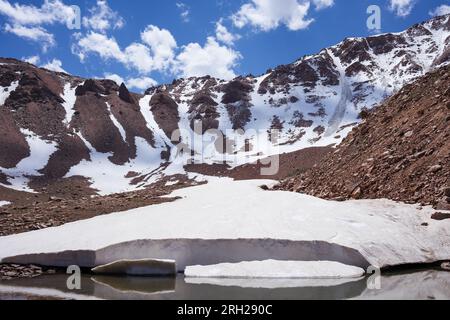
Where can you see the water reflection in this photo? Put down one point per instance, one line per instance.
(428, 284)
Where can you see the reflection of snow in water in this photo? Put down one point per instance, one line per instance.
(420, 285)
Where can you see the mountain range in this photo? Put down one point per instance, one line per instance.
(57, 128)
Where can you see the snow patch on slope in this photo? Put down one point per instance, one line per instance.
(109, 178)
(40, 152)
(4, 203)
(69, 98)
(116, 123)
(6, 91)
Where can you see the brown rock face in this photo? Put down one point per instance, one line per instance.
(103, 87)
(13, 146)
(36, 102)
(165, 112)
(94, 122)
(203, 109)
(34, 105)
(131, 119)
(71, 151)
(237, 100)
(401, 151)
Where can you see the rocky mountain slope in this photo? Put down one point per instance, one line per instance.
(57, 129)
(401, 151)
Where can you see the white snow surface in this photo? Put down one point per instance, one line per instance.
(385, 233)
(69, 101)
(6, 91)
(276, 269)
(117, 124)
(40, 152)
(4, 203)
(109, 178)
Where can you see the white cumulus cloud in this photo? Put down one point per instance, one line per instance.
(322, 4)
(52, 11)
(28, 21)
(104, 46)
(33, 60)
(401, 8)
(211, 59)
(138, 56)
(225, 36)
(103, 18)
(140, 83)
(54, 65)
(162, 45)
(441, 10)
(155, 52)
(267, 15)
(114, 77)
(35, 34)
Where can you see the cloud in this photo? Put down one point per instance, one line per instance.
(162, 45)
(138, 56)
(141, 83)
(35, 34)
(322, 4)
(223, 35)
(105, 47)
(27, 21)
(402, 8)
(114, 77)
(184, 11)
(267, 15)
(51, 12)
(103, 18)
(441, 10)
(211, 59)
(33, 60)
(54, 65)
(156, 52)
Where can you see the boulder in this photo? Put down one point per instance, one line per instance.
(439, 216)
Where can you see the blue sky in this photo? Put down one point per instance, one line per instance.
(143, 42)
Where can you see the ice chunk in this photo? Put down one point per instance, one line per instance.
(277, 269)
(142, 267)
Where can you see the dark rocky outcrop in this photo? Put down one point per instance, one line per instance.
(165, 112)
(125, 95)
